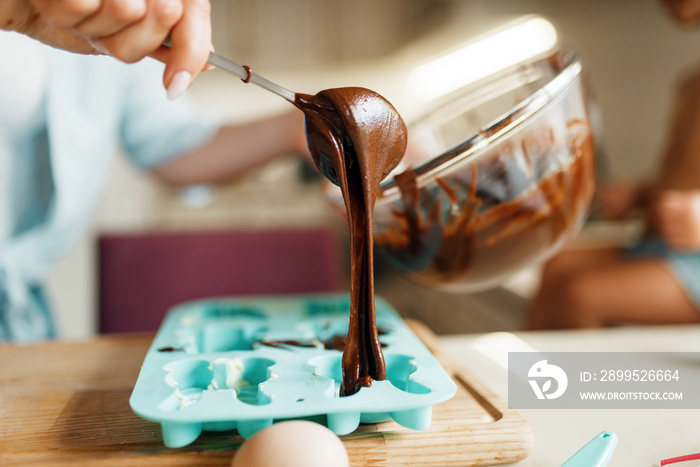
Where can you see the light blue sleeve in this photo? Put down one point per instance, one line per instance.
(155, 129)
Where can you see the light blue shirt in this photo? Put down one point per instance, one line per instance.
(93, 105)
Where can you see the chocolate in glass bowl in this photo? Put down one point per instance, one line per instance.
(502, 177)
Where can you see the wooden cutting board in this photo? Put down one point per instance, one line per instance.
(68, 404)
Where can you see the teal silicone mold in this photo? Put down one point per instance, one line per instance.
(207, 369)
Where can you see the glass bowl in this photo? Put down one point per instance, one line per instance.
(497, 179)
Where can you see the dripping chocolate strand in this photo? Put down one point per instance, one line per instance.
(356, 138)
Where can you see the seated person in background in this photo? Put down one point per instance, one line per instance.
(657, 281)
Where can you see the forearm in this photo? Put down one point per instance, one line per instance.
(236, 149)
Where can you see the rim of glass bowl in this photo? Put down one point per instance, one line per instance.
(537, 102)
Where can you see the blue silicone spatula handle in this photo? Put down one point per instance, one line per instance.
(596, 453)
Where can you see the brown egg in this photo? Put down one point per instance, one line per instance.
(292, 444)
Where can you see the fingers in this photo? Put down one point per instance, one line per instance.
(191, 43)
(141, 38)
(66, 13)
(130, 30)
(112, 17)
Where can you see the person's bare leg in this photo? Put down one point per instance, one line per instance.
(624, 292)
(557, 271)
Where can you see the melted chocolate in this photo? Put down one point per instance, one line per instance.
(289, 342)
(473, 232)
(335, 342)
(356, 138)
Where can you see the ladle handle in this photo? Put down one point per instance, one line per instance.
(244, 74)
(248, 76)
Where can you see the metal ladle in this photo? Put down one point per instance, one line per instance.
(321, 161)
(248, 76)
(244, 73)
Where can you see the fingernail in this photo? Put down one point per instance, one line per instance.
(179, 84)
(99, 46)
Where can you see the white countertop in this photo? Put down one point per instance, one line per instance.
(644, 436)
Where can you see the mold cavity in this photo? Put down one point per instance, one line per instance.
(227, 336)
(327, 306)
(188, 374)
(232, 310)
(329, 366)
(191, 378)
(325, 329)
(186, 339)
(300, 400)
(399, 372)
(243, 375)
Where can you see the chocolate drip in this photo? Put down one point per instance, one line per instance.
(356, 138)
(171, 349)
(289, 342)
(335, 342)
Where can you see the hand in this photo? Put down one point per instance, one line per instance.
(617, 199)
(128, 30)
(677, 217)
